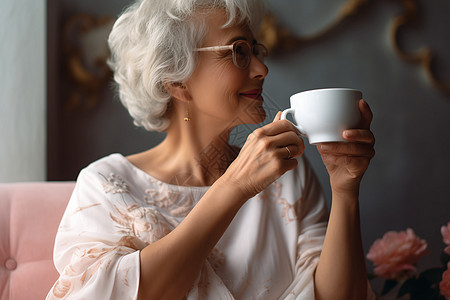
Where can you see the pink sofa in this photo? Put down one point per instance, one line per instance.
(29, 217)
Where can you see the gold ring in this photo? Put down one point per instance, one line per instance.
(289, 152)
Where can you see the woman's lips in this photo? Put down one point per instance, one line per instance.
(253, 94)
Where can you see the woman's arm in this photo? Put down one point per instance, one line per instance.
(341, 272)
(170, 266)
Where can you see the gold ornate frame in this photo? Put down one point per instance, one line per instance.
(87, 79)
(278, 38)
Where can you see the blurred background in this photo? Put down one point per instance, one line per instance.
(58, 110)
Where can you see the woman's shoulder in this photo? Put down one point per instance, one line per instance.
(113, 164)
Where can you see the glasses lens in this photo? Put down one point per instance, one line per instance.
(260, 51)
(241, 53)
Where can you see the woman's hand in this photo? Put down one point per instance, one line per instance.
(347, 162)
(266, 155)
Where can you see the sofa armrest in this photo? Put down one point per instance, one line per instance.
(30, 214)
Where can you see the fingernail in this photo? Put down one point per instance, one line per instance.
(277, 116)
(325, 147)
(348, 133)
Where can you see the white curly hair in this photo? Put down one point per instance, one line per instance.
(152, 43)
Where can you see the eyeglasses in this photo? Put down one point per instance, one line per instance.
(241, 51)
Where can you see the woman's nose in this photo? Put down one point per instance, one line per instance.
(257, 69)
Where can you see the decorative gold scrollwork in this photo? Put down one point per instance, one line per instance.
(423, 57)
(88, 74)
(279, 39)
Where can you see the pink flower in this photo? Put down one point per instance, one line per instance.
(395, 255)
(445, 230)
(444, 286)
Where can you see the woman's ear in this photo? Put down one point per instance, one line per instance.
(178, 91)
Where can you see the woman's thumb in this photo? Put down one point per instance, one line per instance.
(277, 117)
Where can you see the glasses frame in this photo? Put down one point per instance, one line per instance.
(233, 48)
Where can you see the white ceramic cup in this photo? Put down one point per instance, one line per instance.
(322, 115)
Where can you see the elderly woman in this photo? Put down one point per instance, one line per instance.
(195, 217)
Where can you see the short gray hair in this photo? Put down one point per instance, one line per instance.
(152, 43)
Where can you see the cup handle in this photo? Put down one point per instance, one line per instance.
(291, 111)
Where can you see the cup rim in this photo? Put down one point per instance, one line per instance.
(327, 89)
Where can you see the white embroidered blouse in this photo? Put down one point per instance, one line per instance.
(269, 251)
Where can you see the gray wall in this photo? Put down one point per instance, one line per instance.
(406, 185)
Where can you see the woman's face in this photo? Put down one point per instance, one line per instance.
(221, 93)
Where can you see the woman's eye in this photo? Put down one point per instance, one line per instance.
(241, 50)
(223, 54)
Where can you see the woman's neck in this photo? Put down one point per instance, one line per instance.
(190, 155)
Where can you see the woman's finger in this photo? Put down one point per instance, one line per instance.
(277, 117)
(347, 149)
(366, 114)
(269, 143)
(359, 136)
(291, 151)
(356, 163)
(286, 138)
(275, 128)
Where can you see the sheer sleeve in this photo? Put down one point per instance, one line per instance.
(96, 258)
(312, 216)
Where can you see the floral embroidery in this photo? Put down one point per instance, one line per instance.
(131, 242)
(203, 284)
(174, 203)
(93, 258)
(288, 210)
(125, 277)
(61, 288)
(216, 259)
(81, 208)
(115, 184)
(145, 223)
(267, 286)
